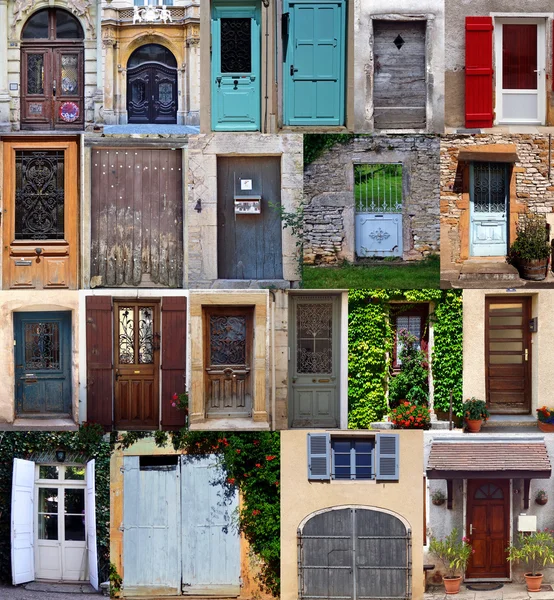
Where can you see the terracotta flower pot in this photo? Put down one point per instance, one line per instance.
(474, 425)
(546, 427)
(533, 582)
(452, 584)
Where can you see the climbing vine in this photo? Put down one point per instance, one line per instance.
(370, 346)
(88, 442)
(251, 465)
(315, 144)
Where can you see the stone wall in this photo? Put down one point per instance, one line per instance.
(329, 212)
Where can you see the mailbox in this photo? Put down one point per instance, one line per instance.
(527, 523)
(248, 205)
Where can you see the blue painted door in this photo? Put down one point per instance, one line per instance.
(42, 364)
(489, 187)
(314, 66)
(236, 67)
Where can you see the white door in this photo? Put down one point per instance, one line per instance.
(520, 49)
(90, 514)
(22, 513)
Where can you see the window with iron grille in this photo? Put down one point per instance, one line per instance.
(378, 188)
(489, 186)
(352, 458)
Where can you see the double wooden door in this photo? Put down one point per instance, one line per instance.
(488, 527)
(152, 94)
(508, 354)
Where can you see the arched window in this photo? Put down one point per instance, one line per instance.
(52, 24)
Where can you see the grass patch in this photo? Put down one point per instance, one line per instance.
(380, 274)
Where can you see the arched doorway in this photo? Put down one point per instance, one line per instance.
(52, 67)
(152, 86)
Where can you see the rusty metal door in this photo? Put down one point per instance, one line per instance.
(136, 218)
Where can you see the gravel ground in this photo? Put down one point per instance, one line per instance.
(47, 592)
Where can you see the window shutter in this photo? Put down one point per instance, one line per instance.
(387, 451)
(174, 358)
(99, 360)
(319, 456)
(478, 101)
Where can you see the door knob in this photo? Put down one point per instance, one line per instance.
(293, 70)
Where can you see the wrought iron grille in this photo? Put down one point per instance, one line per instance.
(35, 74)
(42, 346)
(227, 340)
(141, 350)
(489, 187)
(126, 335)
(146, 336)
(236, 45)
(165, 93)
(378, 188)
(39, 195)
(314, 342)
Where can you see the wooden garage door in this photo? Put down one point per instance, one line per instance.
(136, 218)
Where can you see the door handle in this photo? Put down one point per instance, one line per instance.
(526, 354)
(293, 70)
(116, 374)
(471, 529)
(54, 88)
(218, 81)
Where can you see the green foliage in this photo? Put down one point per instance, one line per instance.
(115, 581)
(535, 550)
(370, 345)
(412, 382)
(476, 410)
(452, 552)
(295, 221)
(89, 442)
(408, 415)
(531, 242)
(315, 144)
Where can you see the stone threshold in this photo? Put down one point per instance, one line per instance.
(40, 425)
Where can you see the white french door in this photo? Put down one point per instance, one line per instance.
(520, 57)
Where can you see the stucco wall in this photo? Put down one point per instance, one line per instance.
(432, 11)
(300, 498)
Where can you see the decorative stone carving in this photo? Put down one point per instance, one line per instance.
(80, 8)
(20, 9)
(151, 14)
(193, 42)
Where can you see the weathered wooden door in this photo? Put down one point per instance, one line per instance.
(488, 527)
(236, 74)
(152, 86)
(228, 343)
(520, 46)
(489, 192)
(314, 66)
(136, 218)
(136, 363)
(351, 553)
(508, 354)
(399, 74)
(314, 336)
(52, 67)
(210, 537)
(249, 244)
(40, 215)
(42, 353)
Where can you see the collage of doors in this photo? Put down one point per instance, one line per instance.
(276, 290)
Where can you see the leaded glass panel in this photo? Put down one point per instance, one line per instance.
(42, 346)
(314, 326)
(236, 45)
(39, 195)
(35, 73)
(227, 340)
(70, 75)
(489, 187)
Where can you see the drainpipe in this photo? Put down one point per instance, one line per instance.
(266, 61)
(273, 400)
(549, 155)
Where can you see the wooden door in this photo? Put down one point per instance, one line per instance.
(314, 67)
(249, 246)
(136, 217)
(37, 72)
(399, 79)
(136, 363)
(508, 354)
(40, 214)
(152, 94)
(315, 361)
(488, 527)
(228, 343)
(42, 355)
(68, 89)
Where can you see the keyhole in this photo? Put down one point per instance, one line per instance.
(236, 82)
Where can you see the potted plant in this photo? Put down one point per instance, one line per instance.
(535, 550)
(438, 498)
(454, 554)
(475, 412)
(541, 497)
(545, 418)
(408, 415)
(530, 251)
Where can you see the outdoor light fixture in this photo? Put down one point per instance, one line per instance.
(198, 207)
(60, 455)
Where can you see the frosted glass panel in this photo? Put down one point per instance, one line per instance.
(520, 107)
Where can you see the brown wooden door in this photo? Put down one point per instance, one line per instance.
(488, 527)
(36, 88)
(136, 217)
(508, 354)
(136, 364)
(228, 345)
(40, 214)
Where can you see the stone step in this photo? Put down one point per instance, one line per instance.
(488, 271)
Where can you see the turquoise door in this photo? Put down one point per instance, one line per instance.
(489, 187)
(235, 67)
(314, 62)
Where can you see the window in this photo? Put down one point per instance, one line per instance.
(412, 319)
(378, 188)
(352, 458)
(489, 187)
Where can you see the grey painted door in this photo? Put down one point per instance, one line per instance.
(399, 81)
(249, 244)
(354, 553)
(315, 360)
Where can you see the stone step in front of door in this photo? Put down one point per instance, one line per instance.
(488, 271)
(60, 588)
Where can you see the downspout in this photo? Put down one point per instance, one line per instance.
(266, 61)
(273, 400)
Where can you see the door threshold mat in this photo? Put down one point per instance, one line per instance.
(484, 587)
(60, 588)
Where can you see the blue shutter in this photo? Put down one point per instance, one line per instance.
(319, 456)
(387, 456)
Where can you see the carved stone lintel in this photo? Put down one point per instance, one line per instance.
(193, 42)
(80, 8)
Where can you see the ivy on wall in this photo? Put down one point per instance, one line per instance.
(315, 144)
(89, 442)
(370, 346)
(251, 465)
